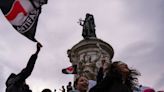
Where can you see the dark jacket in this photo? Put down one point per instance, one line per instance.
(69, 88)
(111, 83)
(16, 83)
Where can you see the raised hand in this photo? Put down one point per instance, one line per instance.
(39, 45)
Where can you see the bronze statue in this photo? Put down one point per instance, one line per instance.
(88, 26)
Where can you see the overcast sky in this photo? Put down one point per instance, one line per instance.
(134, 28)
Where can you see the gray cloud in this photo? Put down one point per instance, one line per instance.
(160, 82)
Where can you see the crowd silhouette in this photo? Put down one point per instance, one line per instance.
(114, 77)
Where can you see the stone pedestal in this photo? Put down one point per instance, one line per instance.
(88, 54)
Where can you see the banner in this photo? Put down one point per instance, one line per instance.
(70, 70)
(23, 15)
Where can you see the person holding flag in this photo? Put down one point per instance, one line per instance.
(16, 82)
(23, 15)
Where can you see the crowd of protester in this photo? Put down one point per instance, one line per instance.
(116, 77)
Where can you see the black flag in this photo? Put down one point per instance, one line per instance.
(70, 70)
(23, 15)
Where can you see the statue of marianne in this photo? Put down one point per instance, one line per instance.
(88, 26)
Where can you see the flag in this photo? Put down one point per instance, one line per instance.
(23, 15)
(70, 70)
